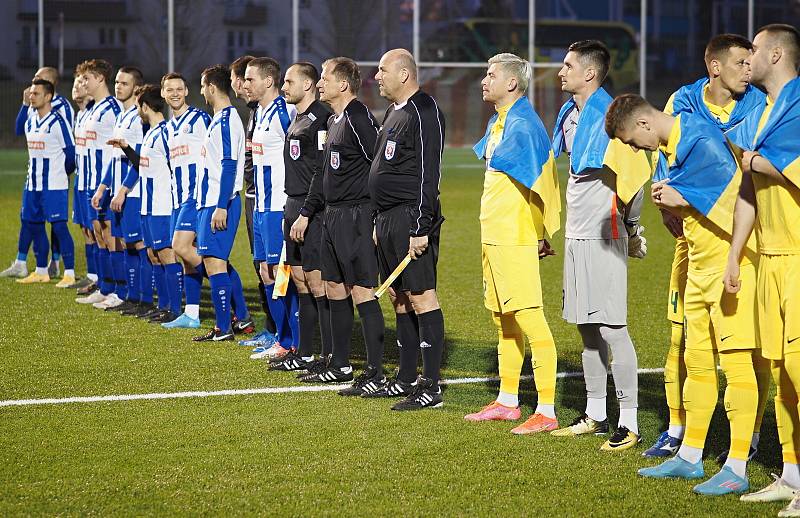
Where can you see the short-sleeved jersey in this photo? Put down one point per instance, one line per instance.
(592, 202)
(408, 157)
(349, 149)
(303, 151)
(155, 176)
(269, 172)
(778, 206)
(61, 106)
(224, 140)
(47, 138)
(81, 152)
(185, 136)
(99, 129)
(128, 127)
(511, 214)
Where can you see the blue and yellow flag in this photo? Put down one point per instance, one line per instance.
(690, 98)
(592, 149)
(524, 154)
(778, 141)
(703, 169)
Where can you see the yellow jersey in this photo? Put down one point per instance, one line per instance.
(778, 205)
(511, 214)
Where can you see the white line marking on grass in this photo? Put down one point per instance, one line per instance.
(247, 392)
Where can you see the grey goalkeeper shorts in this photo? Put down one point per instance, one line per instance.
(595, 289)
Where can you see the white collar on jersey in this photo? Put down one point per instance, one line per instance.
(399, 106)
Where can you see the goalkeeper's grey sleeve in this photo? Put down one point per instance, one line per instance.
(633, 210)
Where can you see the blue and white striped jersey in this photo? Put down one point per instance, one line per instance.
(49, 138)
(155, 176)
(272, 123)
(185, 136)
(223, 160)
(98, 129)
(129, 127)
(81, 152)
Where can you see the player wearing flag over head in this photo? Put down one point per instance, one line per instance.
(769, 201)
(520, 206)
(51, 158)
(724, 98)
(697, 180)
(602, 230)
(218, 204)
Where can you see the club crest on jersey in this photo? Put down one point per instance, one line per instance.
(391, 145)
(335, 159)
(294, 149)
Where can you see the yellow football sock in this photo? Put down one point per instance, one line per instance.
(785, 373)
(675, 376)
(543, 352)
(699, 395)
(741, 399)
(510, 352)
(761, 366)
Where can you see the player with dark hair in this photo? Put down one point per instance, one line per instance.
(602, 230)
(404, 187)
(724, 97)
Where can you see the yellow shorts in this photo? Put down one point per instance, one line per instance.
(778, 305)
(716, 319)
(511, 277)
(677, 281)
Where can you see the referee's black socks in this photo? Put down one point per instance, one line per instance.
(373, 326)
(342, 329)
(308, 323)
(408, 341)
(431, 337)
(325, 330)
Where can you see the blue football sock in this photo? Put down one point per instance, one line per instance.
(293, 313)
(174, 274)
(24, 241)
(91, 258)
(65, 243)
(118, 269)
(277, 308)
(41, 247)
(55, 244)
(106, 272)
(193, 283)
(132, 263)
(160, 275)
(145, 278)
(237, 292)
(220, 296)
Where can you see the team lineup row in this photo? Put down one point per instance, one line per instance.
(334, 201)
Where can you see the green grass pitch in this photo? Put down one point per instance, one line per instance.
(318, 453)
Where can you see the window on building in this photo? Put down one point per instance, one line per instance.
(47, 36)
(241, 38)
(101, 37)
(231, 41)
(111, 36)
(305, 39)
(305, 4)
(123, 36)
(250, 39)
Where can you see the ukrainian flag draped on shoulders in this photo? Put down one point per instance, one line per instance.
(702, 169)
(779, 139)
(524, 154)
(691, 98)
(592, 149)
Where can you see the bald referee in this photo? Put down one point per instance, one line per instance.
(404, 186)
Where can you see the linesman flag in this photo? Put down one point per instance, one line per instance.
(704, 170)
(524, 154)
(592, 149)
(778, 139)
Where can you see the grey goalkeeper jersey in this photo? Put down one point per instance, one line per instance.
(593, 209)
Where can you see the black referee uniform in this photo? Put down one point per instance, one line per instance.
(303, 155)
(348, 251)
(404, 186)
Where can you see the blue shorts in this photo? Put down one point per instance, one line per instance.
(83, 200)
(267, 236)
(158, 232)
(132, 220)
(77, 206)
(184, 218)
(41, 206)
(220, 243)
(98, 215)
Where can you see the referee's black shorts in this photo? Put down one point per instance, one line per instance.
(348, 252)
(307, 253)
(392, 227)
